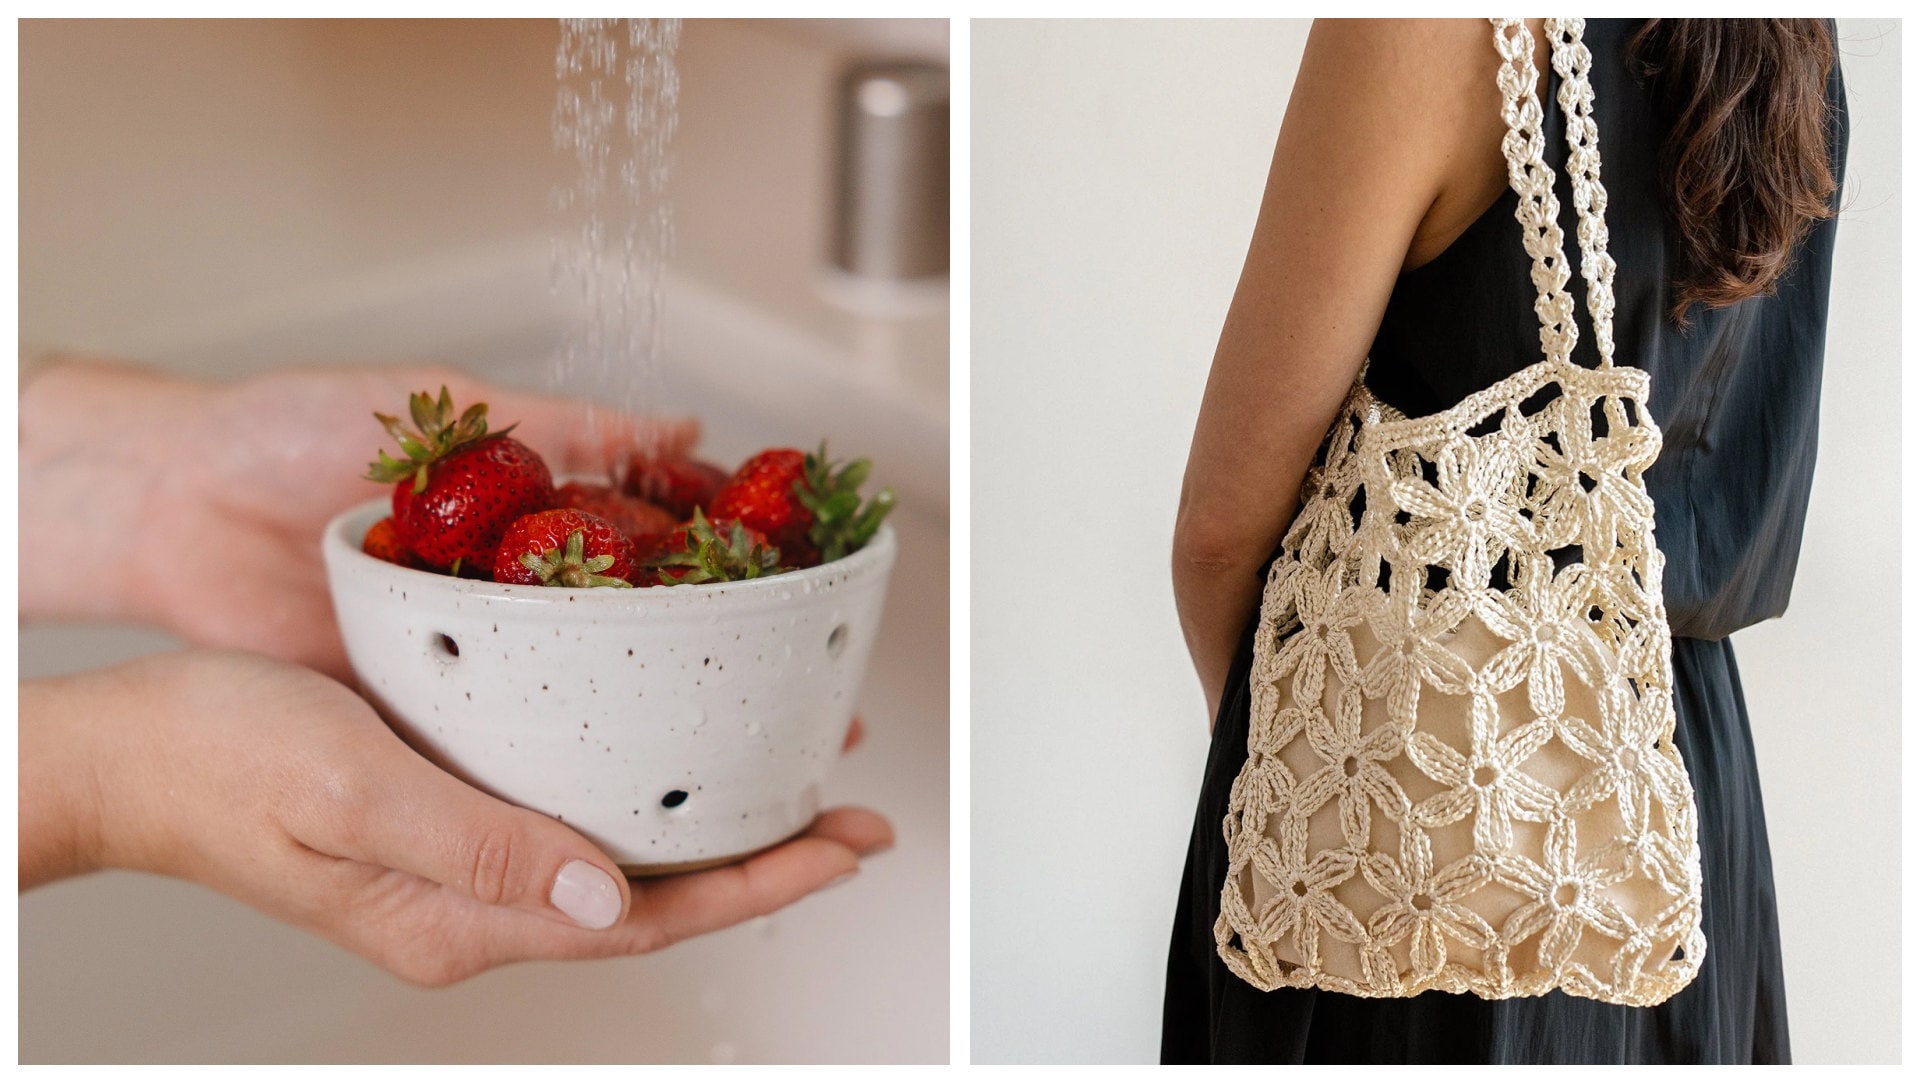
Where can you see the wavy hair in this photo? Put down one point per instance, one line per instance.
(1746, 162)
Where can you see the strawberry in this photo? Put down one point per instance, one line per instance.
(675, 484)
(719, 550)
(806, 504)
(569, 548)
(763, 495)
(458, 488)
(644, 523)
(382, 542)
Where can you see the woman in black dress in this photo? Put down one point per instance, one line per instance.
(1388, 234)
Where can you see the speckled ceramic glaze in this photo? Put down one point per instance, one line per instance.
(673, 726)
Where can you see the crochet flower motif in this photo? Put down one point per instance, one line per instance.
(1490, 785)
(1572, 899)
(1353, 769)
(1304, 907)
(1425, 905)
(1544, 615)
(1627, 762)
(1322, 638)
(1324, 519)
(1411, 653)
(1581, 478)
(1470, 512)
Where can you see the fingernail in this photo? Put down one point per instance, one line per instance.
(585, 894)
(882, 846)
(841, 880)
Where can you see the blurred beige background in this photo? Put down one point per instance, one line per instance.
(221, 197)
(1118, 167)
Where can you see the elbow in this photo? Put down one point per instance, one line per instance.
(1206, 549)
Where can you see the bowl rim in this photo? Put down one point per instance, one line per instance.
(336, 549)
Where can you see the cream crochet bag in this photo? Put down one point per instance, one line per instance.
(1460, 765)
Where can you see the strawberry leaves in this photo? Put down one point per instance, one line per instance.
(570, 568)
(706, 555)
(841, 523)
(435, 434)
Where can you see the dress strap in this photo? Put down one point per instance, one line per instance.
(1532, 180)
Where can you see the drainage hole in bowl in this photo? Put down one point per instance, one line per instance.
(445, 647)
(837, 641)
(673, 799)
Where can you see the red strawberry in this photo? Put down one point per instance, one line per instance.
(458, 487)
(675, 484)
(644, 523)
(717, 550)
(569, 548)
(763, 495)
(382, 542)
(806, 504)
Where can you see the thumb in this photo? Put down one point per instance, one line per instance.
(416, 818)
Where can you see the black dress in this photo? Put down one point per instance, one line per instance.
(1737, 399)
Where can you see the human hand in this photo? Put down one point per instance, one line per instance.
(283, 789)
(198, 506)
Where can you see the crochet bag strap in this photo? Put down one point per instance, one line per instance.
(1532, 180)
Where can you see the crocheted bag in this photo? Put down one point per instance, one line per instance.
(1460, 765)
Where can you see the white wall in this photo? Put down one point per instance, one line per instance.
(1117, 168)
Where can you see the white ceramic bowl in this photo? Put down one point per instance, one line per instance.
(676, 726)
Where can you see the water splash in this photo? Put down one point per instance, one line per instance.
(615, 115)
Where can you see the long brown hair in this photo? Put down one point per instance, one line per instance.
(1745, 164)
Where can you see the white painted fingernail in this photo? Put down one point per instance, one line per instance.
(586, 895)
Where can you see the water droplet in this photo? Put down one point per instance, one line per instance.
(753, 727)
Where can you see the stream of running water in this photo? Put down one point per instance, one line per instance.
(614, 115)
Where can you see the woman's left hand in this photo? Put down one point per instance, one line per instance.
(197, 506)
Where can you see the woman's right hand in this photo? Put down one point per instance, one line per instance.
(282, 788)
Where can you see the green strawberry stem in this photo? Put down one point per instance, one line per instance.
(708, 557)
(841, 524)
(571, 568)
(436, 434)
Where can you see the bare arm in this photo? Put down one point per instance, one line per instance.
(1390, 147)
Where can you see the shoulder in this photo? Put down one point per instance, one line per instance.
(1417, 98)
(1419, 67)
(1420, 87)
